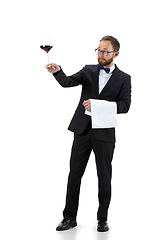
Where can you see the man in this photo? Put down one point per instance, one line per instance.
(101, 82)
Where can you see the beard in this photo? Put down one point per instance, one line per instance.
(105, 62)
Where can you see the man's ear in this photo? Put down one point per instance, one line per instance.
(116, 54)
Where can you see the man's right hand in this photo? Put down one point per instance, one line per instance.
(53, 67)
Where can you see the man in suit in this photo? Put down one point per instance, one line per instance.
(101, 82)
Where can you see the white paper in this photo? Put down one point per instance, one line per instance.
(103, 114)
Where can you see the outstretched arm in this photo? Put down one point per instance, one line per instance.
(61, 77)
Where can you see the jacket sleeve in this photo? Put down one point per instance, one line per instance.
(71, 81)
(124, 98)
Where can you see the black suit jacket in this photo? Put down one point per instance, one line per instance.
(117, 89)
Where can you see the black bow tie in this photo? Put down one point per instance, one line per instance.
(102, 68)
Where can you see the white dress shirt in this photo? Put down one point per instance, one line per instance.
(104, 77)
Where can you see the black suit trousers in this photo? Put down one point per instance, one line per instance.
(81, 150)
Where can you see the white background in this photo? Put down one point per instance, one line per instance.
(35, 113)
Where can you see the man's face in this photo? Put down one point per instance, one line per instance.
(106, 61)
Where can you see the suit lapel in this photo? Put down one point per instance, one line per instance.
(113, 78)
(96, 78)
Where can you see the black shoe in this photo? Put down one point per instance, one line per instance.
(102, 226)
(66, 225)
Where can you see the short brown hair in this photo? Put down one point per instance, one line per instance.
(114, 42)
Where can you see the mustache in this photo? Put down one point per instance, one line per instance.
(101, 58)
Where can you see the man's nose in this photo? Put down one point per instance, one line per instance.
(101, 53)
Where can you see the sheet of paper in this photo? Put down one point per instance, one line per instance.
(103, 114)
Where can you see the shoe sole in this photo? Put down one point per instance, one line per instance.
(106, 230)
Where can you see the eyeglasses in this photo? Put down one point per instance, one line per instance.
(105, 53)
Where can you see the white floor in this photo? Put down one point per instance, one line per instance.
(32, 199)
(128, 226)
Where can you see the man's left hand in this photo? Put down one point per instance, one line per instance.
(87, 105)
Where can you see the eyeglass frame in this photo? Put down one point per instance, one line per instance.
(103, 52)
